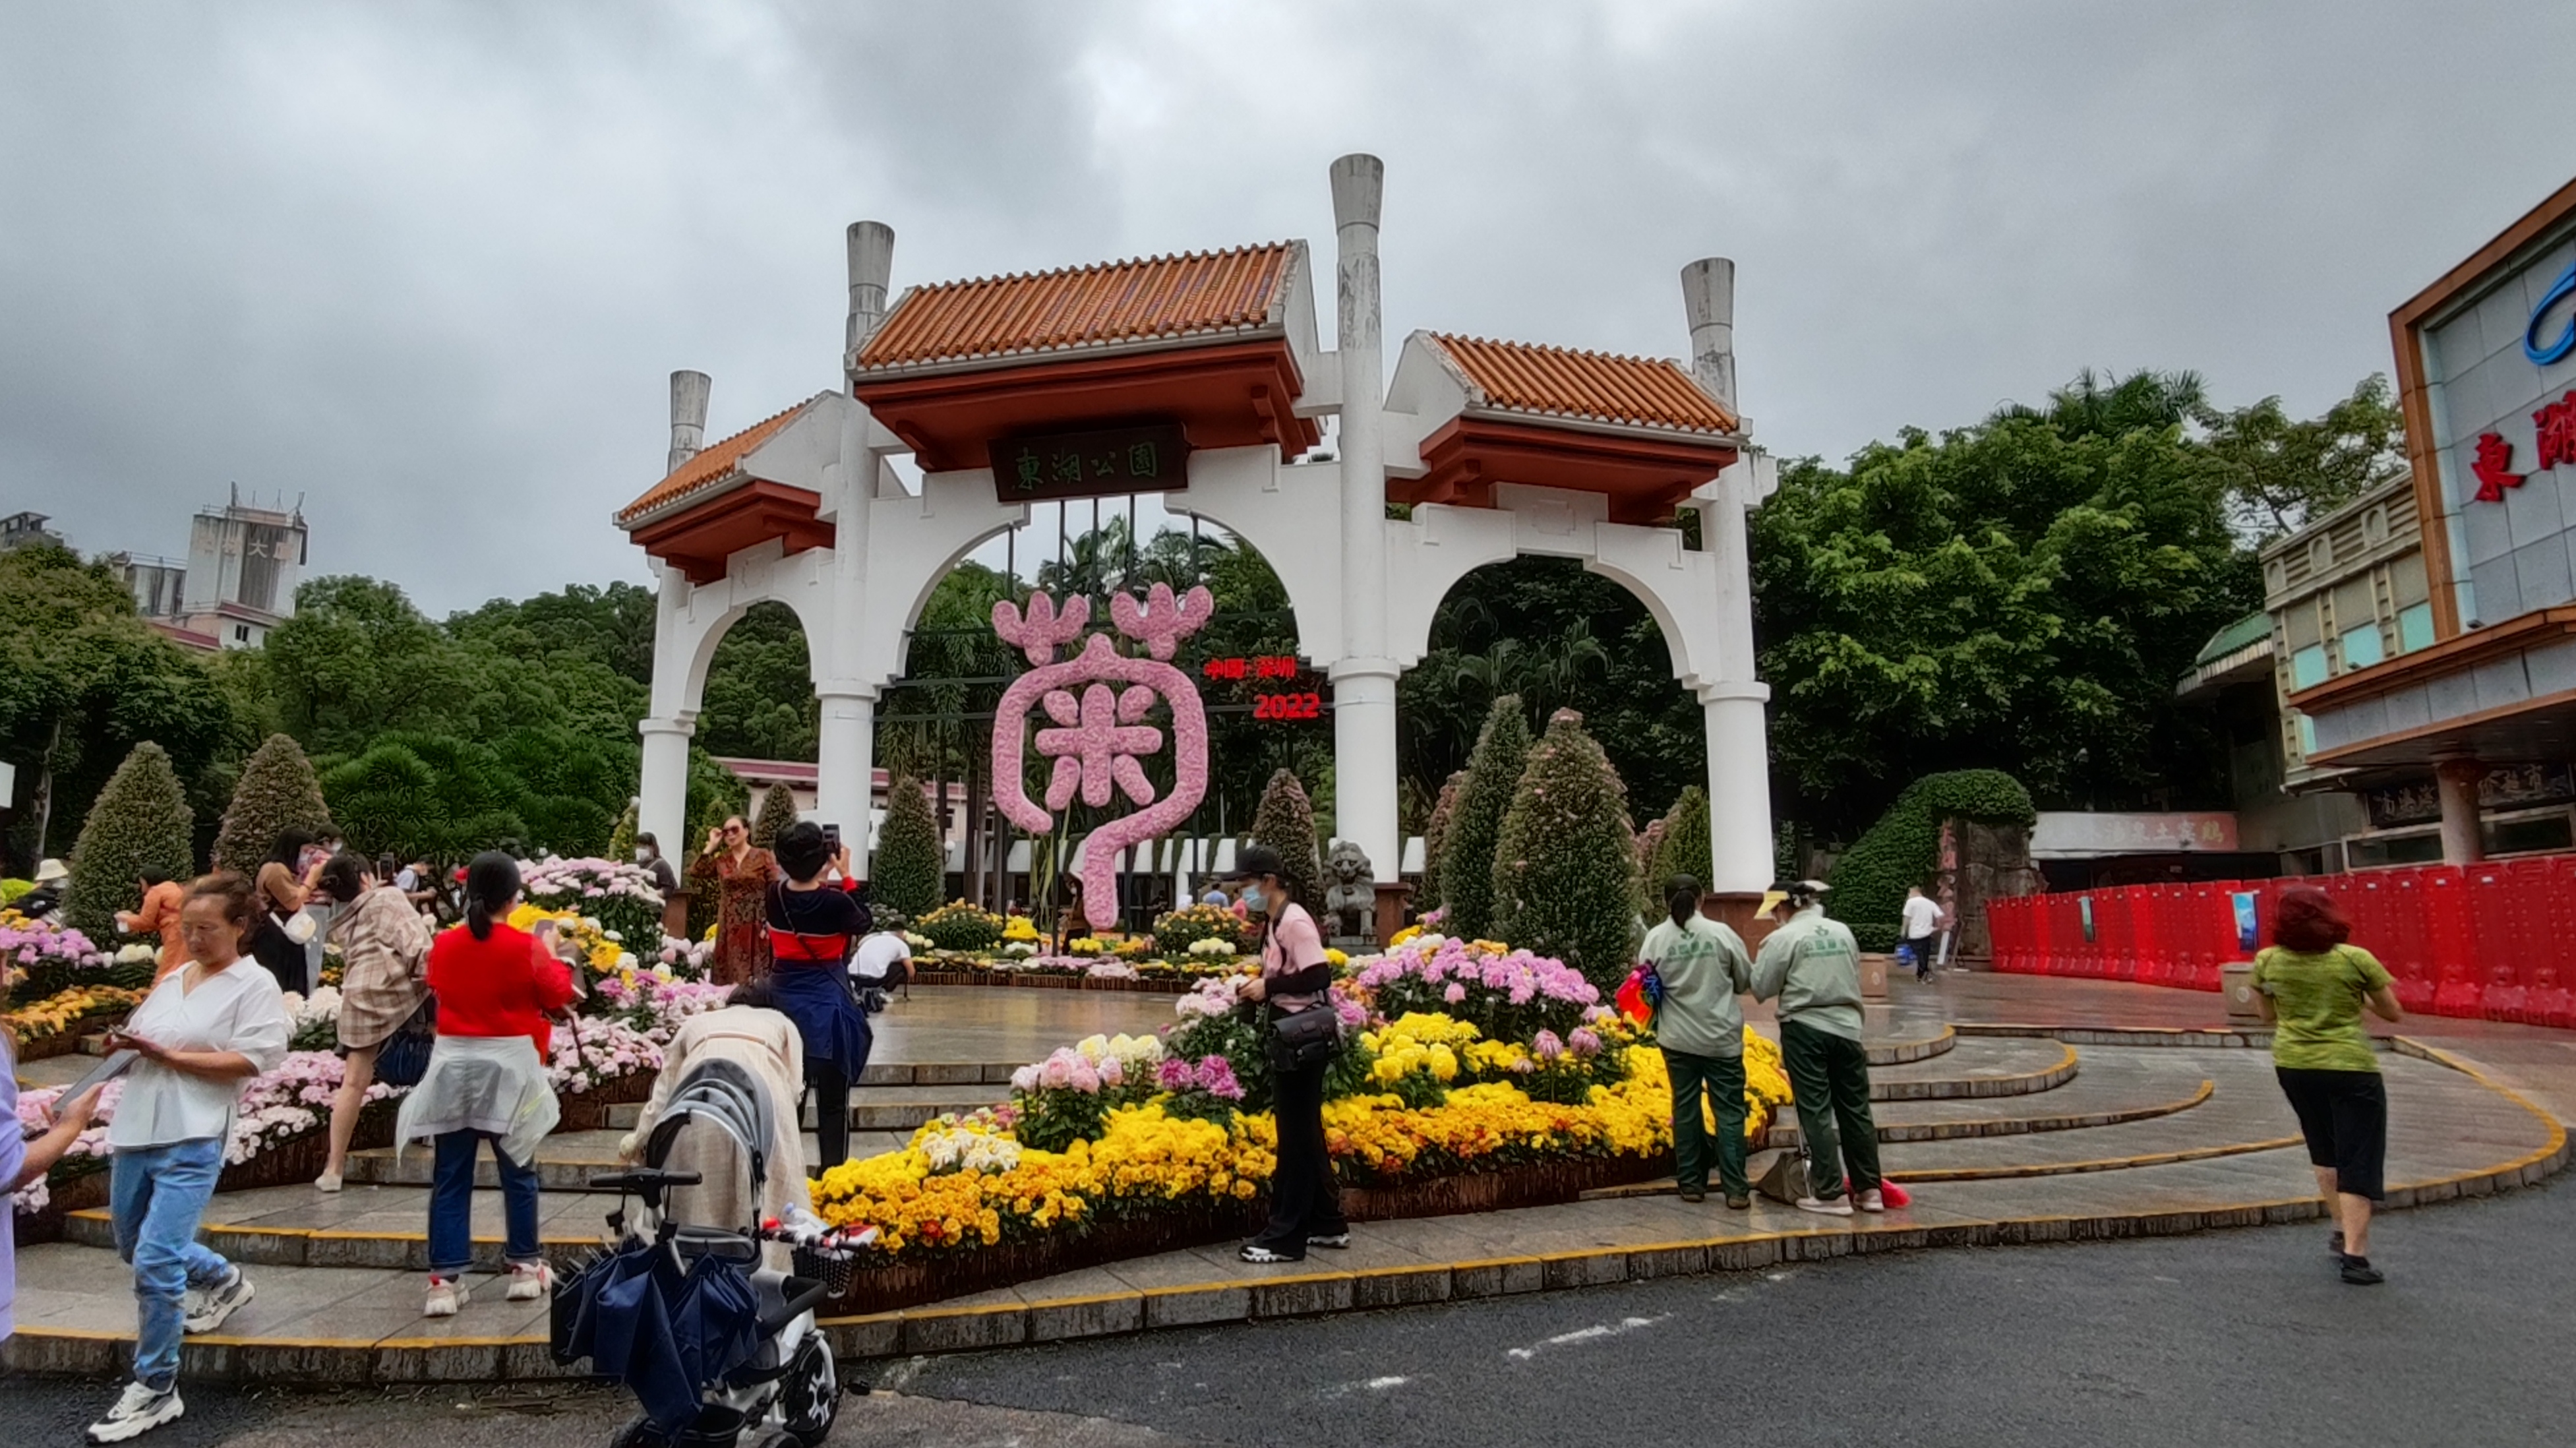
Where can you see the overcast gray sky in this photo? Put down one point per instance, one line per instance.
(428, 265)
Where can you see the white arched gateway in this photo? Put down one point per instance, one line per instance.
(1199, 377)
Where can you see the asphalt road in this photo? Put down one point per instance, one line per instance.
(2221, 1339)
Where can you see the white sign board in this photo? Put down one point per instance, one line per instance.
(2084, 834)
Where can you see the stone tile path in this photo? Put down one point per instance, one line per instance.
(2131, 1128)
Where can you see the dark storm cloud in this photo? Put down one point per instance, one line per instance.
(427, 266)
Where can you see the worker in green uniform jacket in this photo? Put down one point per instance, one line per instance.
(1812, 966)
(1703, 967)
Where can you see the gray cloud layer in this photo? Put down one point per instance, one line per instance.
(427, 265)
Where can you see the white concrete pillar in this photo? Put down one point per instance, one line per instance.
(2457, 780)
(1364, 764)
(662, 804)
(845, 772)
(1732, 696)
(1739, 788)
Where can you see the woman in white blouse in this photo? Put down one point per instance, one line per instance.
(207, 1028)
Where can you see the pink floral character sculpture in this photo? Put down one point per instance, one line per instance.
(1101, 733)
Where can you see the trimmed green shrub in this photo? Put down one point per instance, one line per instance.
(1684, 847)
(777, 812)
(1904, 847)
(1285, 821)
(1565, 867)
(278, 792)
(140, 822)
(911, 864)
(1467, 854)
(1435, 835)
(621, 840)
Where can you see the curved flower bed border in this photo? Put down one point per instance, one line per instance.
(1535, 1184)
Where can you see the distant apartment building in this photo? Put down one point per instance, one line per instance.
(20, 529)
(239, 581)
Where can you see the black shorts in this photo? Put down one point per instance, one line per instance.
(2344, 1116)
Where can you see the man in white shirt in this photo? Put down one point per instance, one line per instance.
(874, 961)
(1922, 923)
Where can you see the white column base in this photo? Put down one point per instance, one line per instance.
(1364, 765)
(845, 772)
(662, 803)
(1739, 789)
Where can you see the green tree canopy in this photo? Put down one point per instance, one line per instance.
(82, 681)
(2019, 595)
(1565, 867)
(141, 822)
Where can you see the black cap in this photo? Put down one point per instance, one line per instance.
(1253, 861)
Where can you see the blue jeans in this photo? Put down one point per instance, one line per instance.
(156, 1194)
(451, 1204)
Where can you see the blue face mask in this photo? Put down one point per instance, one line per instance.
(1253, 899)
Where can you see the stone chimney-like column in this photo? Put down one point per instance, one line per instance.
(871, 265)
(1708, 295)
(688, 417)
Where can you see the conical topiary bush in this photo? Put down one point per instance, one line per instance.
(1467, 854)
(777, 812)
(1683, 849)
(1565, 865)
(141, 822)
(1285, 821)
(1435, 834)
(911, 862)
(621, 840)
(278, 792)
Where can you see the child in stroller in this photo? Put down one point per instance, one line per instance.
(720, 1348)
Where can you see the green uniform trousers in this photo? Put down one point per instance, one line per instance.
(1723, 1078)
(1830, 1076)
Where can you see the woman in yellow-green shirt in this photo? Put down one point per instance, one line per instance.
(2313, 988)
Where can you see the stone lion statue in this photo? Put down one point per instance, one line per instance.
(1350, 902)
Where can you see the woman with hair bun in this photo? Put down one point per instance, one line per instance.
(487, 1081)
(814, 924)
(2312, 988)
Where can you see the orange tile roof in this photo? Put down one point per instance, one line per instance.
(1195, 294)
(1598, 386)
(711, 464)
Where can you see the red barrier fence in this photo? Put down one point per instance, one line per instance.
(2496, 940)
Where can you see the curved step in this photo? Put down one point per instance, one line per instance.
(1974, 1128)
(2097, 1164)
(334, 1324)
(1987, 1069)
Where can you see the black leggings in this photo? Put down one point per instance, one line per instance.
(1304, 1202)
(831, 1110)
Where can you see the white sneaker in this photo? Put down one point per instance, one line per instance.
(137, 1412)
(329, 1181)
(1873, 1201)
(206, 1309)
(530, 1281)
(446, 1295)
(1838, 1207)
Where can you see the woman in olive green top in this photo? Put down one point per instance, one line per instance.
(1701, 1029)
(2313, 988)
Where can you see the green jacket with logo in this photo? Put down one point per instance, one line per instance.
(1813, 965)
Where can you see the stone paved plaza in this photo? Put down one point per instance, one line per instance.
(2017, 1110)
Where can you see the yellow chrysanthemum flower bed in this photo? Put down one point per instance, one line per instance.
(61, 1011)
(1144, 1161)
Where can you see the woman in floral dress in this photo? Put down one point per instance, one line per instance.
(741, 876)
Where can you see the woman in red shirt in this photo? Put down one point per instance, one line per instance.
(487, 1081)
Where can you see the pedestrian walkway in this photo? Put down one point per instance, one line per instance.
(2018, 1109)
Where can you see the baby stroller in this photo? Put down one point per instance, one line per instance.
(719, 1348)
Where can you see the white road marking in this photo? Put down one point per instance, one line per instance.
(1584, 1334)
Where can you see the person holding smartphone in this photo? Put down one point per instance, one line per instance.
(813, 926)
(205, 1029)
